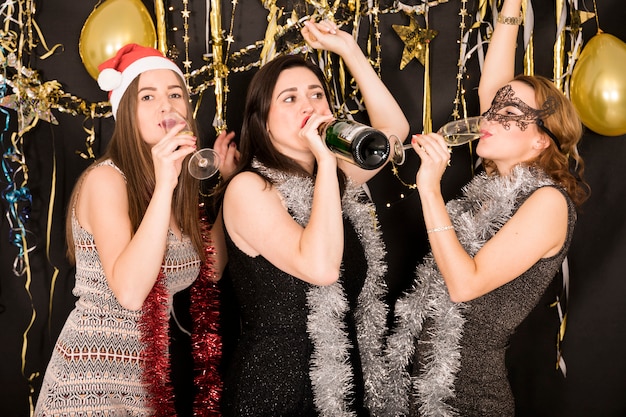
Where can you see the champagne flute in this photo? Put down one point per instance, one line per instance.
(455, 133)
(205, 162)
(459, 132)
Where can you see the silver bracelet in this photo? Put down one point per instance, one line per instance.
(439, 229)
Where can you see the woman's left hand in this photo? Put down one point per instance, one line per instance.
(435, 158)
(325, 35)
(226, 147)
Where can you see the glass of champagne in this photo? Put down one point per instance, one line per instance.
(205, 162)
(459, 132)
(455, 133)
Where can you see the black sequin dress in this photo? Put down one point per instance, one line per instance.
(269, 373)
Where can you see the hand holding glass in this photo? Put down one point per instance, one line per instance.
(455, 133)
(204, 163)
(459, 132)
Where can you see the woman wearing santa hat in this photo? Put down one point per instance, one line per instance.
(134, 234)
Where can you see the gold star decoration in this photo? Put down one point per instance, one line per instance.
(416, 40)
(579, 17)
(33, 100)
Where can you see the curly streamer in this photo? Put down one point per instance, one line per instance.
(18, 197)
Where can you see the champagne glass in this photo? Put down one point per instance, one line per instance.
(459, 132)
(205, 162)
(455, 133)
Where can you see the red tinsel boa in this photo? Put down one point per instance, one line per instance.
(154, 327)
(206, 340)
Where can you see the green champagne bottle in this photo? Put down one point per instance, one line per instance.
(357, 143)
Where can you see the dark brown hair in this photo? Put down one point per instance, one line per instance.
(131, 154)
(255, 141)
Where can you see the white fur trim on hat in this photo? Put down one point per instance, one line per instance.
(131, 72)
(109, 79)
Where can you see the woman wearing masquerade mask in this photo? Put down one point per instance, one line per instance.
(494, 250)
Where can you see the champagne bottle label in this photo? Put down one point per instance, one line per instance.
(357, 143)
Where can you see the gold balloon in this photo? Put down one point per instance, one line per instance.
(598, 85)
(112, 25)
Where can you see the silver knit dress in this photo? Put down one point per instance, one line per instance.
(96, 369)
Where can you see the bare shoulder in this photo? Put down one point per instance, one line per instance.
(246, 177)
(548, 196)
(546, 206)
(252, 211)
(245, 183)
(102, 193)
(103, 177)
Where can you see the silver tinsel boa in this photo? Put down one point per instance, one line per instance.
(488, 202)
(331, 375)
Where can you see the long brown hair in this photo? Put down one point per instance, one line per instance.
(255, 141)
(564, 164)
(131, 154)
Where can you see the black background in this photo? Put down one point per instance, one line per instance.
(596, 327)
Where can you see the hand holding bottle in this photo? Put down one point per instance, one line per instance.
(356, 143)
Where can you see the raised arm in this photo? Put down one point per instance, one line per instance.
(384, 112)
(499, 67)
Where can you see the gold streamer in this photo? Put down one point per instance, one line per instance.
(529, 57)
(482, 12)
(355, 5)
(465, 54)
(342, 75)
(559, 45)
(159, 12)
(595, 11)
(269, 46)
(91, 138)
(559, 342)
(577, 18)
(33, 315)
(427, 121)
(185, 14)
(529, 53)
(49, 236)
(220, 70)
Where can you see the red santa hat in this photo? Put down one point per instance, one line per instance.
(131, 60)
